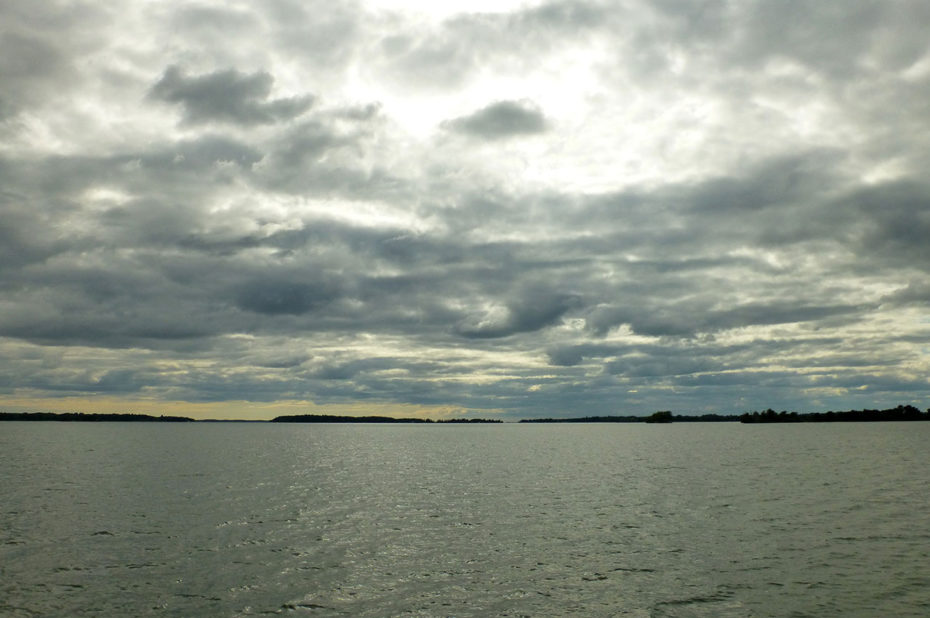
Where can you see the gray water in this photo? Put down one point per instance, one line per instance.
(130, 519)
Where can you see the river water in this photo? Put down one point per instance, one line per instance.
(690, 519)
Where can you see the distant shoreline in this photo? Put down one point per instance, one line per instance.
(91, 418)
(899, 413)
(147, 418)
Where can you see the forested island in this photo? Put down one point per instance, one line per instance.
(899, 413)
(663, 416)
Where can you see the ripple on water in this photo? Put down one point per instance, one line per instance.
(468, 521)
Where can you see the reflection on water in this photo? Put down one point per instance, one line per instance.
(540, 520)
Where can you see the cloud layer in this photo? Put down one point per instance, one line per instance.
(552, 209)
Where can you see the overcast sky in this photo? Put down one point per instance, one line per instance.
(520, 209)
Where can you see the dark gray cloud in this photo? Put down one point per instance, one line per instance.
(24, 55)
(327, 155)
(227, 96)
(689, 319)
(917, 292)
(531, 311)
(283, 297)
(501, 120)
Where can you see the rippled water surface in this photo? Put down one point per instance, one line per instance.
(113, 519)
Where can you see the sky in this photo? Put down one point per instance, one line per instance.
(464, 209)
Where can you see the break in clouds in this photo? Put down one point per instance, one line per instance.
(535, 209)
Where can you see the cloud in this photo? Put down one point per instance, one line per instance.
(25, 54)
(505, 321)
(39, 46)
(450, 53)
(705, 219)
(500, 120)
(227, 96)
(283, 297)
(690, 319)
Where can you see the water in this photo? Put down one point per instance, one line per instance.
(492, 520)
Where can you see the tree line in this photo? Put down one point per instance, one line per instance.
(93, 417)
(899, 413)
(329, 418)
